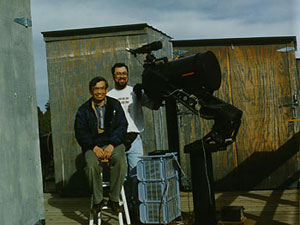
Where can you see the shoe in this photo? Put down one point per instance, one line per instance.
(114, 206)
(98, 207)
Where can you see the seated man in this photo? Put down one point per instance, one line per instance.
(100, 127)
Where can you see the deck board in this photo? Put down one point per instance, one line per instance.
(266, 207)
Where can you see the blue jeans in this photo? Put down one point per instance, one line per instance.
(133, 155)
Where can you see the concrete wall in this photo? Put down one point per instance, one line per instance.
(21, 196)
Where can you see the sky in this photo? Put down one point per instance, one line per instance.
(180, 19)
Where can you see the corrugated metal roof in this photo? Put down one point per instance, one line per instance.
(236, 41)
(98, 30)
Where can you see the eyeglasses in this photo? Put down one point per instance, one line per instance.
(121, 74)
(98, 88)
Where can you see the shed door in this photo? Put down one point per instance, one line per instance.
(263, 79)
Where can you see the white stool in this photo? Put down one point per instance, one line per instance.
(122, 202)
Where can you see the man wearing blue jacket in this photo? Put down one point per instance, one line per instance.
(100, 127)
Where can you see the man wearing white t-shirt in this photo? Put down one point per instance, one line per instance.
(132, 100)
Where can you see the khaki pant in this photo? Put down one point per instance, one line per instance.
(117, 168)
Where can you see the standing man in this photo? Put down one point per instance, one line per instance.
(100, 128)
(132, 100)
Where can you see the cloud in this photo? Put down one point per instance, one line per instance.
(190, 19)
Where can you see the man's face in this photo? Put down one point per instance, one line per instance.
(99, 91)
(120, 77)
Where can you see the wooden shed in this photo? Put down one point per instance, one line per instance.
(259, 76)
(74, 57)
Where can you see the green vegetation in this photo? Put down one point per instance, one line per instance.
(44, 120)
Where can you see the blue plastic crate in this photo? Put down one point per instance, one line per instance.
(158, 191)
(160, 213)
(157, 167)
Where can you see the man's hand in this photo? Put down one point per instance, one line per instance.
(107, 151)
(99, 152)
(137, 89)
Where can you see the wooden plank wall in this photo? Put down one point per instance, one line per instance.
(262, 82)
(72, 63)
(256, 79)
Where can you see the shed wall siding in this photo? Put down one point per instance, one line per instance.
(72, 63)
(256, 79)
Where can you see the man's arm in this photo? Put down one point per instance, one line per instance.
(82, 132)
(119, 131)
(143, 98)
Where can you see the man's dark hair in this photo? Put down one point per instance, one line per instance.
(118, 65)
(95, 80)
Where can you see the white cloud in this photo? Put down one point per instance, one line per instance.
(190, 19)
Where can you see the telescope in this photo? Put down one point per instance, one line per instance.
(191, 80)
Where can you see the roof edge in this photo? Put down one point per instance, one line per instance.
(236, 41)
(98, 30)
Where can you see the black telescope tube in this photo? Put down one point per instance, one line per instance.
(193, 74)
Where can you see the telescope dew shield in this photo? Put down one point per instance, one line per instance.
(196, 74)
(208, 70)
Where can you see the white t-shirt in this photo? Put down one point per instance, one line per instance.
(131, 106)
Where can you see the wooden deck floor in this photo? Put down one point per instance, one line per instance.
(266, 207)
